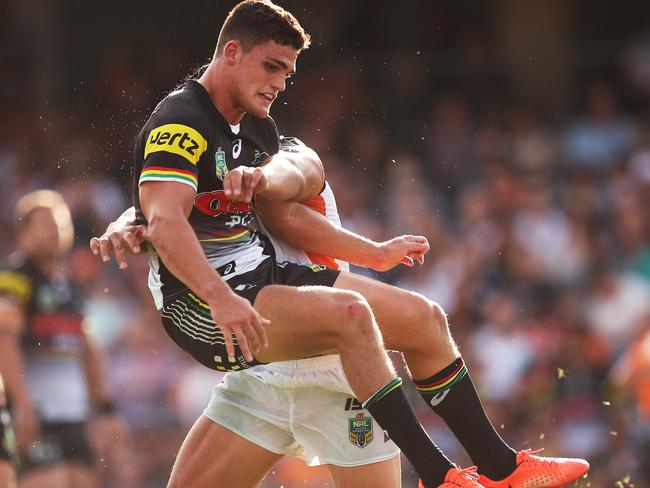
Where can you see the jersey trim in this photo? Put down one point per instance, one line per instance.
(159, 173)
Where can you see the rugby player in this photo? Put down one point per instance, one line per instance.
(7, 474)
(356, 456)
(51, 369)
(202, 166)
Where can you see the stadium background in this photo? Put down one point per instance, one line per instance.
(514, 135)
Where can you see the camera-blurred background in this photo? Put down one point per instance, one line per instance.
(514, 135)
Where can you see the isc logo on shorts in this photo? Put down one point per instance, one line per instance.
(177, 139)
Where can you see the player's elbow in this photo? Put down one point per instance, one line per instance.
(159, 224)
(313, 175)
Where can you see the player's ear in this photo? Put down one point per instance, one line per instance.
(232, 51)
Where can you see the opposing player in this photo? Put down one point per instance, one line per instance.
(51, 370)
(200, 159)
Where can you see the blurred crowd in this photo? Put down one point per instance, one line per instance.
(538, 223)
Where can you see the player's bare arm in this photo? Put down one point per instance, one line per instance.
(287, 176)
(12, 323)
(166, 206)
(307, 229)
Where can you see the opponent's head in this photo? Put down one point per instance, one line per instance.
(44, 224)
(259, 44)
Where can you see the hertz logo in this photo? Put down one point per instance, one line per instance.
(177, 139)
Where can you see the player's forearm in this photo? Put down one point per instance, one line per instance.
(177, 245)
(308, 230)
(293, 176)
(96, 378)
(12, 369)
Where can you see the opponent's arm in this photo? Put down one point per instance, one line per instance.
(286, 176)
(311, 231)
(166, 206)
(122, 236)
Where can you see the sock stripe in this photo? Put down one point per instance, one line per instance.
(444, 383)
(383, 391)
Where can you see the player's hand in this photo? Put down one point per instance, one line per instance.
(401, 250)
(108, 433)
(241, 183)
(26, 425)
(120, 237)
(235, 315)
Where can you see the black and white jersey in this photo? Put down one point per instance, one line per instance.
(187, 140)
(53, 341)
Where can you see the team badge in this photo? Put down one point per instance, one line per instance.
(315, 267)
(220, 160)
(360, 430)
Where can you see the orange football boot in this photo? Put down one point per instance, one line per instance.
(465, 478)
(540, 472)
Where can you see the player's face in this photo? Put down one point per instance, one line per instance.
(41, 235)
(262, 75)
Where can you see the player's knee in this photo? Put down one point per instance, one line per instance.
(357, 320)
(434, 319)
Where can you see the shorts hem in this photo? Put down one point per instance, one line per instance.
(249, 438)
(365, 462)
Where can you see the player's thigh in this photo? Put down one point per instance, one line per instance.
(305, 321)
(400, 314)
(212, 455)
(384, 474)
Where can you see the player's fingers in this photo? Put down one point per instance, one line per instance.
(133, 242)
(234, 180)
(105, 248)
(247, 189)
(227, 337)
(407, 261)
(244, 345)
(94, 245)
(256, 177)
(118, 249)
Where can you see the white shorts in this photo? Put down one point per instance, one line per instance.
(303, 409)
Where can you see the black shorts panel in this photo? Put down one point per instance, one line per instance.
(59, 442)
(188, 322)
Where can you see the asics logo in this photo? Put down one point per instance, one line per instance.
(438, 398)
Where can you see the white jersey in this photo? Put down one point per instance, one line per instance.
(325, 204)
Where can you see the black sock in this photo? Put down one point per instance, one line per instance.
(392, 411)
(452, 395)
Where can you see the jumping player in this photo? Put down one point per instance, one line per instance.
(356, 456)
(201, 167)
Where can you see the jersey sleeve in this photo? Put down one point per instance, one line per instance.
(273, 137)
(172, 147)
(16, 286)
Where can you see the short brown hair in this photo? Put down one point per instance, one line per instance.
(254, 22)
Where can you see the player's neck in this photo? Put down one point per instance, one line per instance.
(217, 84)
(49, 266)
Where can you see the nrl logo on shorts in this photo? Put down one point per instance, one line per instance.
(360, 430)
(220, 160)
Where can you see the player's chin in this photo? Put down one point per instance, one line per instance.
(261, 108)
